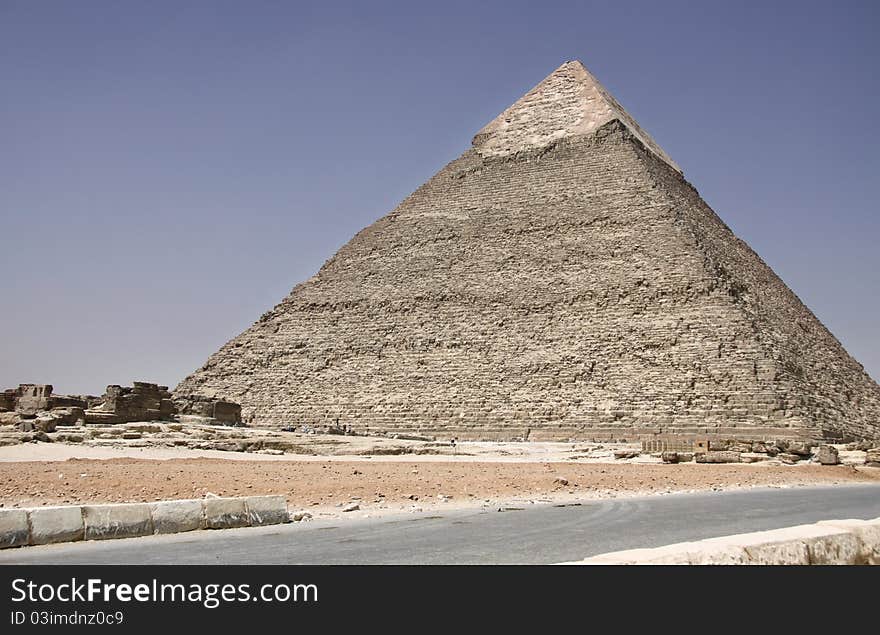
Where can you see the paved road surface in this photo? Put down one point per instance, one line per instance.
(532, 534)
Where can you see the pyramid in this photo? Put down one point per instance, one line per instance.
(559, 280)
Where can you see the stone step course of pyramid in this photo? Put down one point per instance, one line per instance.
(559, 280)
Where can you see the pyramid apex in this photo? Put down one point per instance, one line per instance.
(569, 102)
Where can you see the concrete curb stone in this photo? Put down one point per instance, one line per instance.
(14, 528)
(267, 510)
(104, 522)
(176, 516)
(49, 525)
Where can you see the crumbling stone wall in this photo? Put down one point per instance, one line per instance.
(7, 400)
(32, 398)
(33, 406)
(141, 402)
(224, 412)
(28, 399)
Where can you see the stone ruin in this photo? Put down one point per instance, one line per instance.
(33, 407)
(560, 280)
(200, 406)
(141, 402)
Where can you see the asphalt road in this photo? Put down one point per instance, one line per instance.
(535, 534)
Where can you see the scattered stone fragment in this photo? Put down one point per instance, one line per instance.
(827, 455)
(626, 454)
(669, 457)
(724, 456)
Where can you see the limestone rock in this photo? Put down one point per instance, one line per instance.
(800, 448)
(129, 520)
(45, 422)
(626, 454)
(32, 398)
(226, 513)
(755, 457)
(9, 419)
(723, 456)
(788, 458)
(142, 401)
(267, 510)
(177, 515)
(862, 445)
(56, 524)
(211, 409)
(68, 416)
(827, 455)
(14, 528)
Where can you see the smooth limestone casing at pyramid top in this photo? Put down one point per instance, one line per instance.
(559, 280)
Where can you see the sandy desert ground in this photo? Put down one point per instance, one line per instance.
(477, 474)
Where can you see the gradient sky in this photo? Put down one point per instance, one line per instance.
(170, 170)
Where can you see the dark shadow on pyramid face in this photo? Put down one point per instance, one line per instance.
(559, 280)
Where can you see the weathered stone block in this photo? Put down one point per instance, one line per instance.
(14, 529)
(800, 448)
(267, 510)
(719, 457)
(626, 454)
(117, 521)
(669, 457)
(45, 422)
(827, 455)
(227, 412)
(226, 513)
(177, 515)
(68, 416)
(7, 400)
(33, 398)
(868, 532)
(9, 418)
(56, 524)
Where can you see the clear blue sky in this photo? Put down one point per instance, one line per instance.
(170, 170)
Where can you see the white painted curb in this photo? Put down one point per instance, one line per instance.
(824, 543)
(46, 525)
